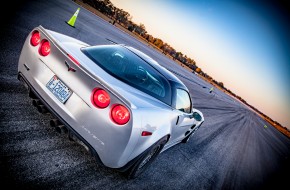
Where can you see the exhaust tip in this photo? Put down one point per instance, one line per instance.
(31, 94)
(61, 129)
(42, 109)
(36, 102)
(54, 122)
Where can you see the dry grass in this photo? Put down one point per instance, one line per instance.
(278, 127)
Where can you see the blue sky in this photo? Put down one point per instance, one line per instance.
(244, 44)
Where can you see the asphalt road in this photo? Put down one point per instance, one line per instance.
(232, 150)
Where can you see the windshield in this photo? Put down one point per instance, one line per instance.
(126, 66)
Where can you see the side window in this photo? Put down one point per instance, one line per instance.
(183, 102)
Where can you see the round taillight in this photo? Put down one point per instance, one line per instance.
(100, 98)
(120, 114)
(44, 49)
(35, 38)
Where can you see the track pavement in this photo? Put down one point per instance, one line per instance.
(232, 150)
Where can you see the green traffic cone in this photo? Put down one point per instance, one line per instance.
(72, 20)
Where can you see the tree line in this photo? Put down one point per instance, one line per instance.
(125, 19)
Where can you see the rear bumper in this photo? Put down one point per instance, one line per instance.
(25, 82)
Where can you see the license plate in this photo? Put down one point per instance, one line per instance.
(59, 89)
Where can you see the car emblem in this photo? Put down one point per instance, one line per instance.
(69, 68)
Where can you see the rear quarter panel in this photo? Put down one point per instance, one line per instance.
(158, 121)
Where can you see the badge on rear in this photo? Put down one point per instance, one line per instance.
(69, 68)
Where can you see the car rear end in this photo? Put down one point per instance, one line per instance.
(53, 68)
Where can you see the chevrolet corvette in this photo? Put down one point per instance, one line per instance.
(119, 103)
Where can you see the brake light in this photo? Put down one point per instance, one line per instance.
(100, 98)
(73, 59)
(120, 114)
(35, 38)
(44, 48)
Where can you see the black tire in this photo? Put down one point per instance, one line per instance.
(146, 159)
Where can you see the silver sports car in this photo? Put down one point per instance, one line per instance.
(113, 99)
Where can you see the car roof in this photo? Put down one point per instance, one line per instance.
(166, 73)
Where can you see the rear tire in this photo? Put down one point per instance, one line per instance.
(145, 160)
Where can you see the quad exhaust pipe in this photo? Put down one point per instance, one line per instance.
(62, 129)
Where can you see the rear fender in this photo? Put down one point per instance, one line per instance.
(156, 122)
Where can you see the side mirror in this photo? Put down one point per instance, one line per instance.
(196, 116)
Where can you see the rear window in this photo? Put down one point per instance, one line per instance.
(126, 66)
